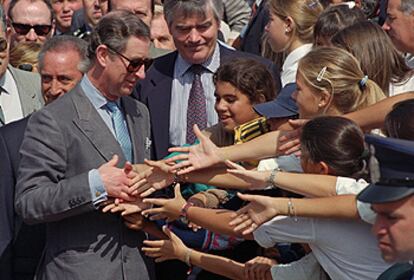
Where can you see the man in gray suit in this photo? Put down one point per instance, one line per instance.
(72, 160)
(20, 93)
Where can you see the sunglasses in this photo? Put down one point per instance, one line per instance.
(3, 44)
(23, 29)
(134, 64)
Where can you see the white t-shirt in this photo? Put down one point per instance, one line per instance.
(405, 87)
(290, 66)
(345, 249)
(346, 185)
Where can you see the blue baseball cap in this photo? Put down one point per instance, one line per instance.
(283, 106)
(394, 163)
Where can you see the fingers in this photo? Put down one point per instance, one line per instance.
(234, 165)
(177, 190)
(128, 167)
(184, 163)
(168, 232)
(152, 211)
(148, 192)
(298, 123)
(114, 161)
(198, 133)
(186, 170)
(155, 201)
(108, 207)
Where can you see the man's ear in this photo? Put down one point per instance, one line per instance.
(102, 55)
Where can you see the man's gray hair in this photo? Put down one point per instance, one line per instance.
(114, 30)
(64, 43)
(407, 6)
(188, 8)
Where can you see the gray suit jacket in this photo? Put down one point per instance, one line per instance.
(28, 86)
(63, 141)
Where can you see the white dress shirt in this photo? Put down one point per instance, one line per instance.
(181, 87)
(9, 98)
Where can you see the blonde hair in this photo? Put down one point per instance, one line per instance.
(25, 53)
(304, 13)
(338, 72)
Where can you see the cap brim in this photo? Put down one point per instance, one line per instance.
(376, 193)
(273, 109)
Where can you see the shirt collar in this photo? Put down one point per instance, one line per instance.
(211, 64)
(93, 94)
(295, 55)
(6, 82)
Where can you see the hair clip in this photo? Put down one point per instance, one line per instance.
(363, 81)
(350, 4)
(321, 73)
(312, 4)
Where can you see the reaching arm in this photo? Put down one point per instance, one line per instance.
(174, 248)
(206, 154)
(206, 218)
(262, 209)
(374, 115)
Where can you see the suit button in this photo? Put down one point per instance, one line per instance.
(98, 193)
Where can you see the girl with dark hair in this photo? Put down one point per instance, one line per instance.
(399, 123)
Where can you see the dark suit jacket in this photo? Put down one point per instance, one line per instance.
(155, 92)
(252, 39)
(62, 143)
(20, 245)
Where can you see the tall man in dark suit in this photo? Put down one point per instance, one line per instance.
(91, 132)
(62, 63)
(179, 89)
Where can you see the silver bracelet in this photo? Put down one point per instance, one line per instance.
(271, 179)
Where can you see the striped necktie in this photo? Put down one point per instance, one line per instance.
(121, 130)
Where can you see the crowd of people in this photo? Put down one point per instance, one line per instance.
(207, 139)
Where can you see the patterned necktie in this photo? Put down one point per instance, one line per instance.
(121, 130)
(197, 108)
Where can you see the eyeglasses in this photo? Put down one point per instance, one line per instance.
(3, 44)
(23, 29)
(134, 64)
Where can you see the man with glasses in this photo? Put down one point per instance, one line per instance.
(19, 90)
(30, 21)
(73, 158)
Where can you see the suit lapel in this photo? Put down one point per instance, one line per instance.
(27, 101)
(159, 106)
(94, 128)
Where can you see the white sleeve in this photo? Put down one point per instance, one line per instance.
(285, 229)
(307, 268)
(345, 185)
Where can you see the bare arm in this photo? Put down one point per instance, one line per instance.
(174, 248)
(262, 209)
(374, 115)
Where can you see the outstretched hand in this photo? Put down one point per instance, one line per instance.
(116, 181)
(254, 214)
(289, 141)
(258, 268)
(127, 207)
(195, 157)
(163, 250)
(256, 179)
(154, 178)
(168, 208)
